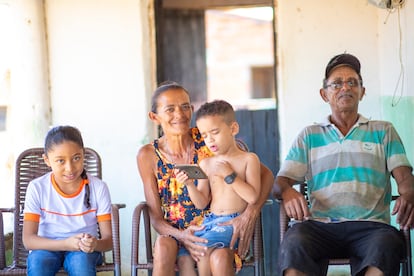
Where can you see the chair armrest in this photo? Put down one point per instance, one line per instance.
(407, 237)
(283, 220)
(283, 217)
(119, 205)
(141, 210)
(116, 249)
(2, 243)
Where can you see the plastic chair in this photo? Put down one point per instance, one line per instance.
(30, 165)
(406, 263)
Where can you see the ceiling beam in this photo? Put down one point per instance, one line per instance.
(211, 4)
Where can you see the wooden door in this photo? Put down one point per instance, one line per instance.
(181, 50)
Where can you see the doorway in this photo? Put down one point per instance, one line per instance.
(225, 49)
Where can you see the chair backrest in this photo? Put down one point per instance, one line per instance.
(30, 165)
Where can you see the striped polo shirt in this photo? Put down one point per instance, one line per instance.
(348, 176)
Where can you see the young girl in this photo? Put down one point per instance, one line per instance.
(63, 209)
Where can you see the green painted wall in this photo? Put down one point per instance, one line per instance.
(401, 114)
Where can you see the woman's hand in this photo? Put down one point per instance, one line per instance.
(243, 228)
(189, 240)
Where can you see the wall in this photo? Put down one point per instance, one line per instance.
(23, 87)
(100, 72)
(311, 32)
(101, 76)
(87, 64)
(395, 71)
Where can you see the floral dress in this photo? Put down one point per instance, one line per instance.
(176, 204)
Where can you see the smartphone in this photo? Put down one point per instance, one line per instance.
(193, 171)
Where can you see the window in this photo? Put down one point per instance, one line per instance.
(3, 112)
(262, 82)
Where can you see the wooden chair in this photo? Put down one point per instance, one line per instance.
(255, 259)
(406, 263)
(30, 165)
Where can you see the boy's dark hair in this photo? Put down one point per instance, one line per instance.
(60, 134)
(164, 86)
(217, 107)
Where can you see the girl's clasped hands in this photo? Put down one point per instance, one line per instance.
(87, 243)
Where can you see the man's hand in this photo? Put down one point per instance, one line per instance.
(405, 213)
(404, 205)
(295, 204)
(190, 242)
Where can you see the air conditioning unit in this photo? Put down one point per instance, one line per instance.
(387, 4)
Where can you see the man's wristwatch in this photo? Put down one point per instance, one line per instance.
(230, 178)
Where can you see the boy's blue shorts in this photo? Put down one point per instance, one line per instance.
(218, 236)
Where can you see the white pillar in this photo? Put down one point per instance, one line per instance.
(29, 108)
(23, 87)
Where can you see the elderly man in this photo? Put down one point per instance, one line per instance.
(347, 161)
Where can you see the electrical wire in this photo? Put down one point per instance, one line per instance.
(400, 82)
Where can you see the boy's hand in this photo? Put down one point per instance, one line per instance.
(222, 168)
(182, 177)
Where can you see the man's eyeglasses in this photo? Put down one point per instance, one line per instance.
(336, 85)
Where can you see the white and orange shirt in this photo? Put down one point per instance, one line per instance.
(61, 215)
